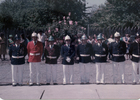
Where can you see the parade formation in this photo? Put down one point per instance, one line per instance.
(69, 52)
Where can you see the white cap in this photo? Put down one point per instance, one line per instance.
(34, 34)
(117, 34)
(67, 37)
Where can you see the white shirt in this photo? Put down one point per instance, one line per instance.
(17, 45)
(51, 46)
(41, 38)
(110, 40)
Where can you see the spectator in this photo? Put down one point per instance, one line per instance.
(2, 46)
(126, 39)
(41, 38)
(10, 40)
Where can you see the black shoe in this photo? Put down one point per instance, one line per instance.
(20, 84)
(134, 83)
(14, 84)
(87, 83)
(82, 83)
(38, 84)
(55, 84)
(31, 84)
(47, 83)
(98, 83)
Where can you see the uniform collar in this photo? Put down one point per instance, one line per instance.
(17, 45)
(67, 44)
(117, 41)
(51, 46)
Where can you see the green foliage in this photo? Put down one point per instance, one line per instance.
(38, 14)
(117, 13)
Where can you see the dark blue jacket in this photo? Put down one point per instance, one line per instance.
(100, 50)
(67, 52)
(118, 49)
(17, 51)
(84, 49)
(54, 52)
(135, 50)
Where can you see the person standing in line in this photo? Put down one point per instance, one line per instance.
(84, 53)
(2, 46)
(135, 52)
(52, 52)
(100, 52)
(41, 38)
(17, 53)
(68, 53)
(10, 40)
(35, 50)
(118, 49)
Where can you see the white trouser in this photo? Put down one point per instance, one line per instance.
(100, 71)
(85, 72)
(34, 67)
(135, 66)
(51, 71)
(17, 73)
(116, 66)
(68, 72)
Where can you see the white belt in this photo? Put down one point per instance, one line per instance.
(34, 54)
(98, 55)
(135, 55)
(117, 55)
(17, 56)
(52, 57)
(84, 55)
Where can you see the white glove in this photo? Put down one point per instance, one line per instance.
(68, 59)
(77, 58)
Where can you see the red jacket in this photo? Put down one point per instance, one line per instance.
(34, 51)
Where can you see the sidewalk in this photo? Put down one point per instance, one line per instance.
(72, 92)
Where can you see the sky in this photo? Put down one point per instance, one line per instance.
(92, 2)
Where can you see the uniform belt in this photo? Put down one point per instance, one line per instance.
(135, 55)
(52, 57)
(17, 56)
(117, 55)
(84, 55)
(34, 54)
(98, 55)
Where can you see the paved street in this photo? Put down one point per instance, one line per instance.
(76, 91)
(5, 73)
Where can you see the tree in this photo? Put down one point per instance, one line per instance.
(117, 13)
(37, 14)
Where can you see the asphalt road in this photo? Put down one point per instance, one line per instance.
(5, 73)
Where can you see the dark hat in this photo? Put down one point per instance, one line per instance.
(17, 37)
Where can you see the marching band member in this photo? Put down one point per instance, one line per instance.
(35, 50)
(17, 53)
(135, 52)
(84, 52)
(100, 51)
(118, 49)
(68, 53)
(52, 52)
